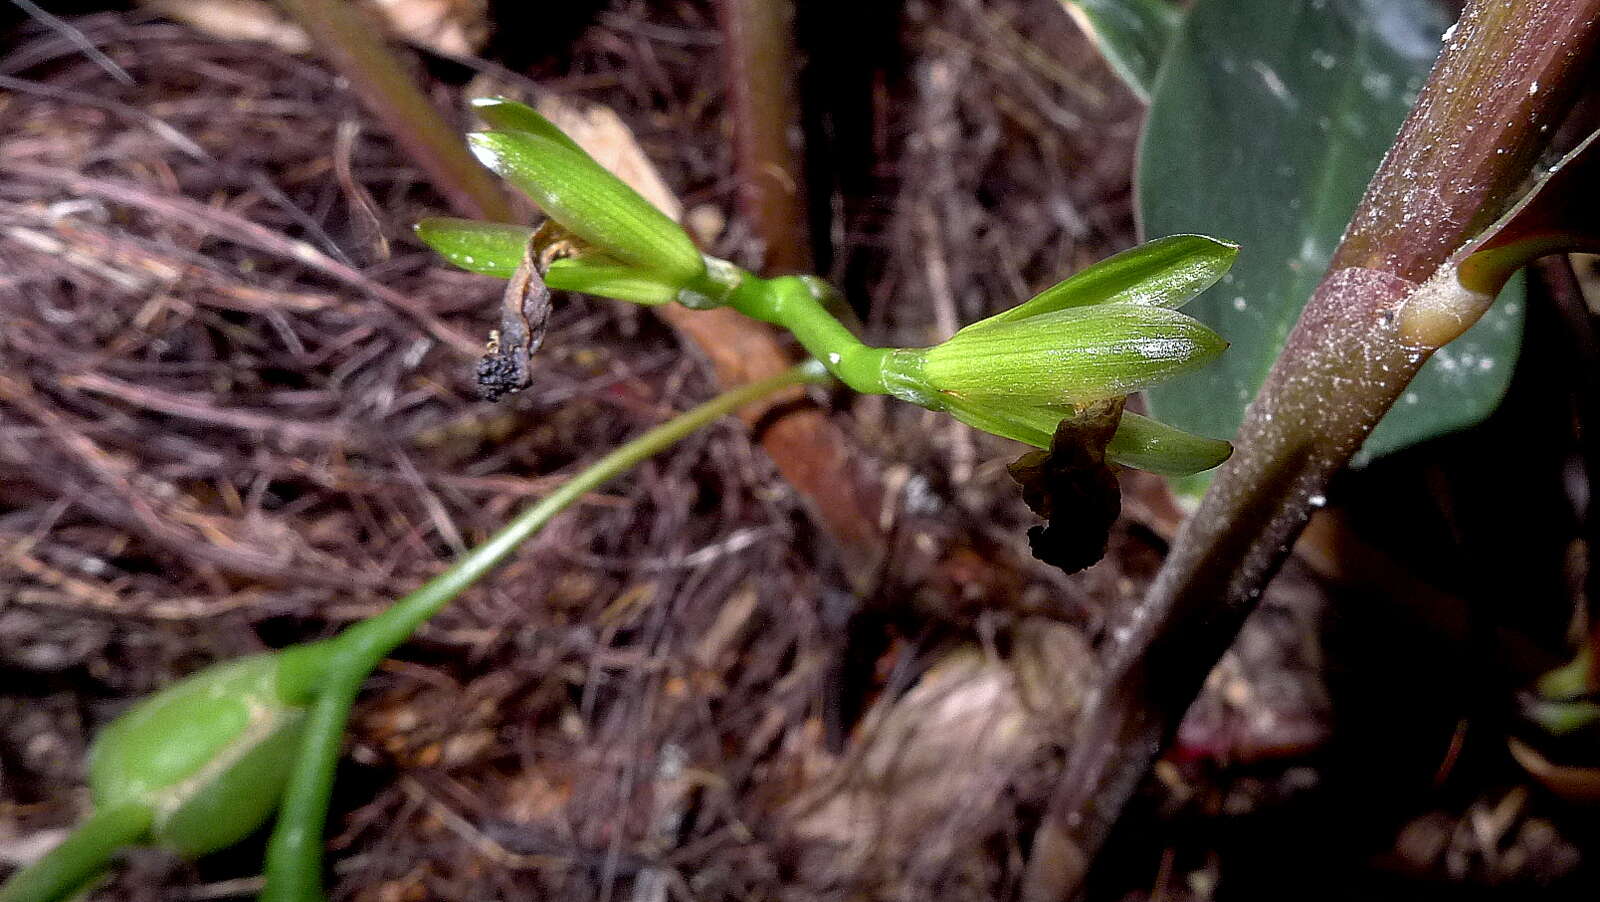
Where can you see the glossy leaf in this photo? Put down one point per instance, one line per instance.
(591, 203)
(1070, 356)
(1167, 272)
(1267, 121)
(489, 248)
(1133, 35)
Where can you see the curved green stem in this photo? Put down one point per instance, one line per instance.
(799, 304)
(69, 867)
(331, 672)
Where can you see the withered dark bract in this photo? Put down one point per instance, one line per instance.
(1073, 487)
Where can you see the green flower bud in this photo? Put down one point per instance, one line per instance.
(591, 203)
(1167, 272)
(1070, 356)
(489, 248)
(208, 756)
(609, 279)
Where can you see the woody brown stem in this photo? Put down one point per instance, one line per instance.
(1503, 82)
(759, 64)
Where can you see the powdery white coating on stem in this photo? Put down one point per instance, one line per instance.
(1347, 363)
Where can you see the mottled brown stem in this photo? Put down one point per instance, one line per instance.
(350, 43)
(1504, 81)
(758, 59)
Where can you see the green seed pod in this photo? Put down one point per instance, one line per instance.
(1070, 356)
(609, 279)
(208, 756)
(591, 203)
(489, 248)
(1167, 272)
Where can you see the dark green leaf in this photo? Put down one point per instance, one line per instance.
(1133, 35)
(1268, 119)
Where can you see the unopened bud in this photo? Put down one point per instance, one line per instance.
(591, 203)
(208, 756)
(1167, 272)
(1070, 356)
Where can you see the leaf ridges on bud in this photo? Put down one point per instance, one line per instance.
(1071, 356)
(591, 203)
(609, 279)
(487, 248)
(1167, 272)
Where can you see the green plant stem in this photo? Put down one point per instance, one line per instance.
(70, 866)
(1496, 94)
(348, 41)
(800, 305)
(330, 673)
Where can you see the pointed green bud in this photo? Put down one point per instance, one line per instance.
(609, 279)
(1140, 442)
(1070, 356)
(1146, 444)
(489, 248)
(208, 755)
(1167, 272)
(506, 115)
(591, 203)
(1032, 424)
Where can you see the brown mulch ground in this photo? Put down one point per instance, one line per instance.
(237, 411)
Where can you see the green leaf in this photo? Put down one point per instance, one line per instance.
(1140, 442)
(505, 114)
(1133, 35)
(609, 279)
(1167, 272)
(591, 203)
(1268, 119)
(488, 248)
(1146, 444)
(1070, 356)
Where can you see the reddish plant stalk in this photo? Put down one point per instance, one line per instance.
(759, 63)
(1503, 82)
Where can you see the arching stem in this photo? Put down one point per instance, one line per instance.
(330, 673)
